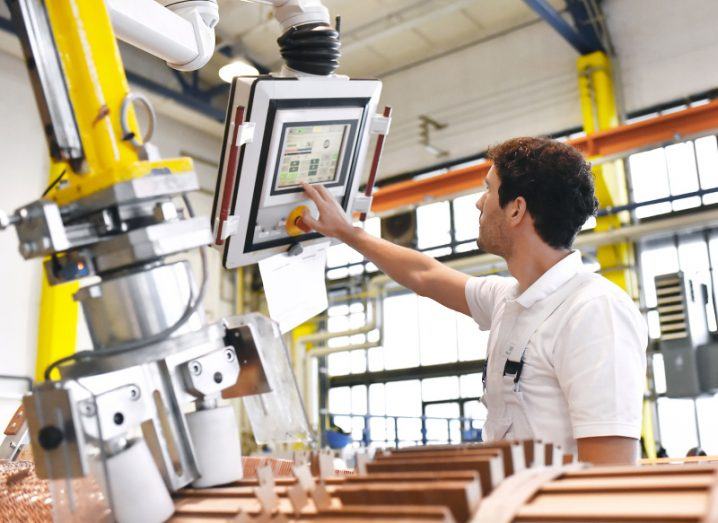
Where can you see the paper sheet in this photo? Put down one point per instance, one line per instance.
(295, 286)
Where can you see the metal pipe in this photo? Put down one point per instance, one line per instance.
(180, 34)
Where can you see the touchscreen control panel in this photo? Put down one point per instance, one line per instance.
(292, 131)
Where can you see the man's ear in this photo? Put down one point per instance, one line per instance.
(517, 210)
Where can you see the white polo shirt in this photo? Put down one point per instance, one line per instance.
(585, 367)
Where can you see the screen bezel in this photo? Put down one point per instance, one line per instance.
(293, 103)
(345, 149)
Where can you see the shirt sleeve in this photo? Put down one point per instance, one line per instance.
(600, 363)
(482, 294)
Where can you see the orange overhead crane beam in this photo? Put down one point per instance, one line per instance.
(652, 132)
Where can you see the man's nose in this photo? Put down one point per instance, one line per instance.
(480, 202)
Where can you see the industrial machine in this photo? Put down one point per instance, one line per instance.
(689, 349)
(142, 414)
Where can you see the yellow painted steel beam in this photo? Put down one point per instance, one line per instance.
(599, 112)
(97, 87)
(598, 108)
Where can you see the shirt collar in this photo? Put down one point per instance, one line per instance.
(552, 279)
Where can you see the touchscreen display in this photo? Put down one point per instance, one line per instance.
(310, 153)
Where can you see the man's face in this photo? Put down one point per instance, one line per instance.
(493, 236)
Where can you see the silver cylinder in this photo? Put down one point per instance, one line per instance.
(139, 304)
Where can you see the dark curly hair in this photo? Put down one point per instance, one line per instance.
(555, 181)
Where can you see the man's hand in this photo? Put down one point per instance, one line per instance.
(414, 270)
(332, 221)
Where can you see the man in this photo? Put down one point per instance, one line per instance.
(566, 352)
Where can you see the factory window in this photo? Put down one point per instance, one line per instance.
(409, 412)
(685, 174)
(689, 168)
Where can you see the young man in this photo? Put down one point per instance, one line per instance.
(566, 352)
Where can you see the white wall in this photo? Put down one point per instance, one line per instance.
(23, 177)
(524, 82)
(520, 83)
(666, 49)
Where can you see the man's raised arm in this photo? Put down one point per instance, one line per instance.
(414, 270)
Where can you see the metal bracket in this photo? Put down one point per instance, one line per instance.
(245, 134)
(113, 413)
(380, 124)
(229, 227)
(212, 373)
(362, 203)
(55, 434)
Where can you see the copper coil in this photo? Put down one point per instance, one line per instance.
(23, 496)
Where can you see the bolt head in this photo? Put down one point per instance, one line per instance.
(50, 437)
(195, 368)
(230, 354)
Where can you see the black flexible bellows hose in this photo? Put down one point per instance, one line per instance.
(311, 48)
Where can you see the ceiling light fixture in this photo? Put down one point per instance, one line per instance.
(237, 68)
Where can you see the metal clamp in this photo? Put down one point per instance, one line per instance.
(380, 124)
(113, 413)
(212, 373)
(245, 134)
(362, 203)
(229, 227)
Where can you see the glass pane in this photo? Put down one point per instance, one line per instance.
(466, 217)
(707, 153)
(446, 387)
(678, 427)
(654, 324)
(433, 225)
(338, 364)
(649, 179)
(344, 423)
(466, 247)
(659, 374)
(375, 357)
(342, 254)
(437, 333)
(338, 310)
(443, 410)
(438, 253)
(455, 431)
(590, 224)
(377, 403)
(373, 226)
(708, 421)
(337, 323)
(340, 400)
(471, 385)
(409, 429)
(439, 430)
(357, 428)
(359, 399)
(358, 361)
(401, 341)
(682, 174)
(475, 410)
(694, 262)
(403, 398)
(377, 428)
(471, 341)
(336, 274)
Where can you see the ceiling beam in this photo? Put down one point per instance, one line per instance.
(583, 38)
(693, 122)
